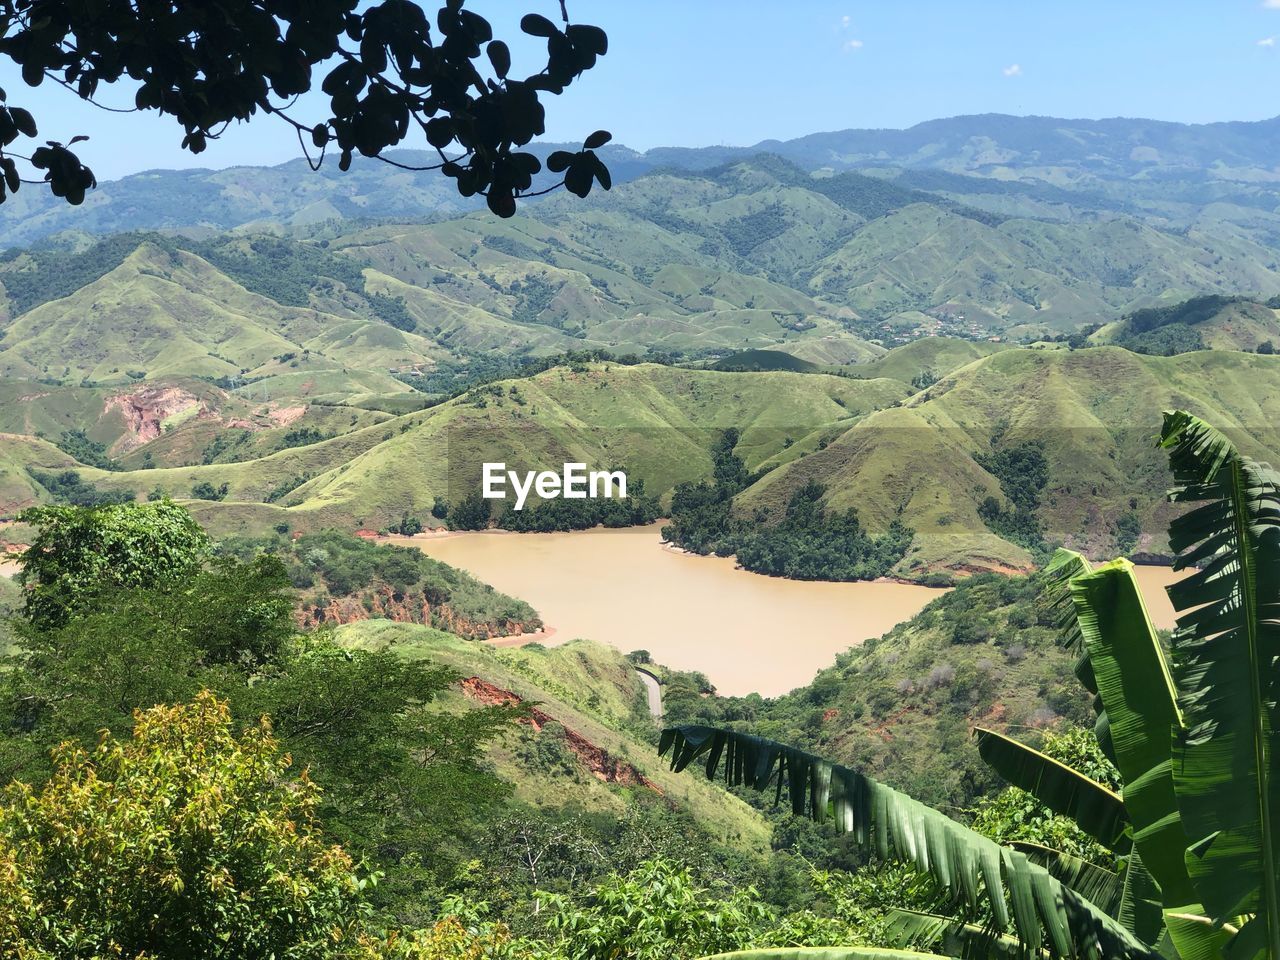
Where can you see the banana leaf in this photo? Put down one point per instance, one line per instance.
(952, 937)
(978, 872)
(1097, 809)
(1063, 567)
(1136, 688)
(1100, 886)
(1226, 662)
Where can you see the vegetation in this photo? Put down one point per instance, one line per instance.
(77, 552)
(1192, 740)
(1023, 473)
(331, 565)
(371, 99)
(184, 838)
(551, 515)
(76, 444)
(69, 487)
(808, 544)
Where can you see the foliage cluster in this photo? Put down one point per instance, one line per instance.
(67, 486)
(808, 544)
(635, 509)
(331, 564)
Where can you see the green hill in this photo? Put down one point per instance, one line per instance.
(595, 735)
(759, 360)
(1092, 413)
(659, 422)
(1202, 323)
(946, 459)
(756, 254)
(928, 358)
(901, 707)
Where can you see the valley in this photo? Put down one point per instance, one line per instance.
(872, 391)
(744, 632)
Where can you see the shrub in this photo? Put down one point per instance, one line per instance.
(179, 842)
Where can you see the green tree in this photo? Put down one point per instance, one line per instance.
(138, 646)
(78, 551)
(470, 513)
(387, 73)
(186, 841)
(204, 490)
(405, 783)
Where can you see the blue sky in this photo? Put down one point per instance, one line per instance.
(702, 72)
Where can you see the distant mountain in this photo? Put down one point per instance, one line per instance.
(1041, 162)
(754, 254)
(1049, 148)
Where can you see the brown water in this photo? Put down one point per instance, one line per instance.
(1152, 581)
(746, 632)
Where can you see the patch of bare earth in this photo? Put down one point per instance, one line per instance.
(284, 416)
(602, 764)
(145, 410)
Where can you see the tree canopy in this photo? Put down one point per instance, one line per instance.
(187, 840)
(386, 71)
(79, 551)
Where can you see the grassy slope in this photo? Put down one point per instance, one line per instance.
(1096, 412)
(901, 707)
(562, 680)
(1239, 325)
(18, 455)
(659, 422)
(936, 355)
(886, 453)
(1025, 271)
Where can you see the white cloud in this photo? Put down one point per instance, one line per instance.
(1015, 69)
(845, 21)
(1267, 42)
(1271, 4)
(851, 45)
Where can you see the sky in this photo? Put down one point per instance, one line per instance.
(735, 72)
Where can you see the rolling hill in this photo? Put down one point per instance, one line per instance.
(1092, 413)
(757, 253)
(661, 423)
(1202, 323)
(942, 459)
(591, 716)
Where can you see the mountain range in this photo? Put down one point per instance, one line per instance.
(1111, 163)
(897, 315)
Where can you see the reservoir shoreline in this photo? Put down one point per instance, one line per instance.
(747, 632)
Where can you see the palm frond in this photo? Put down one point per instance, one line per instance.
(976, 871)
(1140, 908)
(1137, 690)
(1097, 809)
(1226, 653)
(1063, 567)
